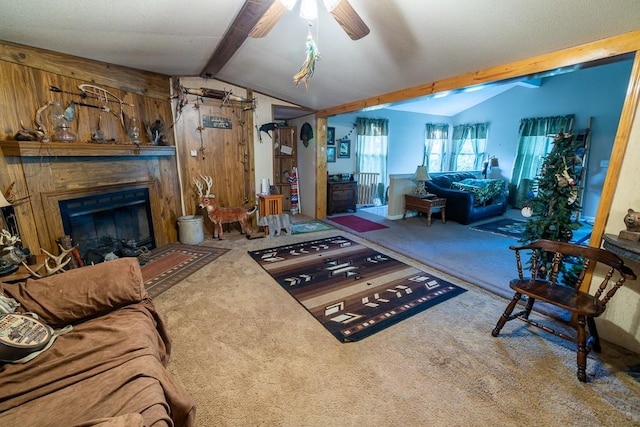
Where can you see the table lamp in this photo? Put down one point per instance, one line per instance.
(493, 164)
(3, 201)
(422, 175)
(3, 204)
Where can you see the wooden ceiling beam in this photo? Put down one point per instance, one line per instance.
(247, 18)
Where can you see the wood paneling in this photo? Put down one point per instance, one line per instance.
(49, 172)
(145, 83)
(321, 168)
(226, 155)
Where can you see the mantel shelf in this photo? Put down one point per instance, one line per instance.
(81, 149)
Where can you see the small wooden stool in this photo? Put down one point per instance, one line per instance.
(270, 205)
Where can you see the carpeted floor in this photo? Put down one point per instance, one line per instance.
(356, 223)
(172, 263)
(251, 355)
(353, 290)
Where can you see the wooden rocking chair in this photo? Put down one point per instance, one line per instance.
(583, 305)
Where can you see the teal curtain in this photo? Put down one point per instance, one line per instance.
(436, 134)
(371, 150)
(476, 134)
(534, 143)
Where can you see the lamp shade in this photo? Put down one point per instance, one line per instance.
(3, 201)
(422, 173)
(494, 162)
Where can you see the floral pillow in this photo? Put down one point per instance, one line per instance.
(482, 189)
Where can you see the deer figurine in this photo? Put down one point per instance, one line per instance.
(219, 215)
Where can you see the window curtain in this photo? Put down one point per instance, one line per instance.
(436, 134)
(534, 142)
(371, 150)
(476, 134)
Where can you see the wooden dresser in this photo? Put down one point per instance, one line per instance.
(341, 196)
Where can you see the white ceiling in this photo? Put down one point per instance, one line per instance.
(412, 42)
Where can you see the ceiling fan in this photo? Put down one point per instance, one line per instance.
(341, 10)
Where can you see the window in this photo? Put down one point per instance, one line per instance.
(436, 138)
(466, 157)
(468, 147)
(371, 150)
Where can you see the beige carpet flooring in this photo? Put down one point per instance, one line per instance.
(252, 356)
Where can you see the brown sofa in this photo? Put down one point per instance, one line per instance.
(110, 370)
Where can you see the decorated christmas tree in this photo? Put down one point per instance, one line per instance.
(555, 197)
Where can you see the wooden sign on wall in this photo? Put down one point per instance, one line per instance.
(216, 122)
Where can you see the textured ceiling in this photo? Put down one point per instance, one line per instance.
(412, 42)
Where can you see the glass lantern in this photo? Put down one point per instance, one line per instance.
(61, 127)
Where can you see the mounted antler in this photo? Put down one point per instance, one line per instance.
(59, 262)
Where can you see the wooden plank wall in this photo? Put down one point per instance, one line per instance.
(226, 155)
(26, 75)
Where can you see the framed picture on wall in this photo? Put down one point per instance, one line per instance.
(344, 149)
(331, 136)
(331, 154)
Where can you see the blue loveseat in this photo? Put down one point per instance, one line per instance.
(469, 198)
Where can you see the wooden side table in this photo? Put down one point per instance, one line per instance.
(424, 205)
(22, 274)
(270, 205)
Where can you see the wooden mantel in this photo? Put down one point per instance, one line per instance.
(51, 172)
(74, 149)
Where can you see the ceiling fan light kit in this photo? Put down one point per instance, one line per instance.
(309, 10)
(341, 10)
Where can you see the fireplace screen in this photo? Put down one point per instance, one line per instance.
(99, 224)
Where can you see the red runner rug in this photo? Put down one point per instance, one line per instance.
(351, 289)
(174, 262)
(356, 223)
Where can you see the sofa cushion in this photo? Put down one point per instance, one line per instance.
(81, 293)
(483, 189)
(445, 180)
(105, 367)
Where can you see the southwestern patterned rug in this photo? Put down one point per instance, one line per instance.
(353, 290)
(174, 262)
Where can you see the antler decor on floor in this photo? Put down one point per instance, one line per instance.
(52, 264)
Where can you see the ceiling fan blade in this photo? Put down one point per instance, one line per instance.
(268, 20)
(349, 20)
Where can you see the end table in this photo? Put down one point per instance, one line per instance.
(424, 205)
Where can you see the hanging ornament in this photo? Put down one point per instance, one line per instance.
(526, 211)
(562, 181)
(566, 175)
(309, 65)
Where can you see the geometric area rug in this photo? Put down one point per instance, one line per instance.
(174, 262)
(504, 226)
(351, 289)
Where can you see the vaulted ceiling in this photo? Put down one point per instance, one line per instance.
(411, 42)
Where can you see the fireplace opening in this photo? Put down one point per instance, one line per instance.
(101, 223)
